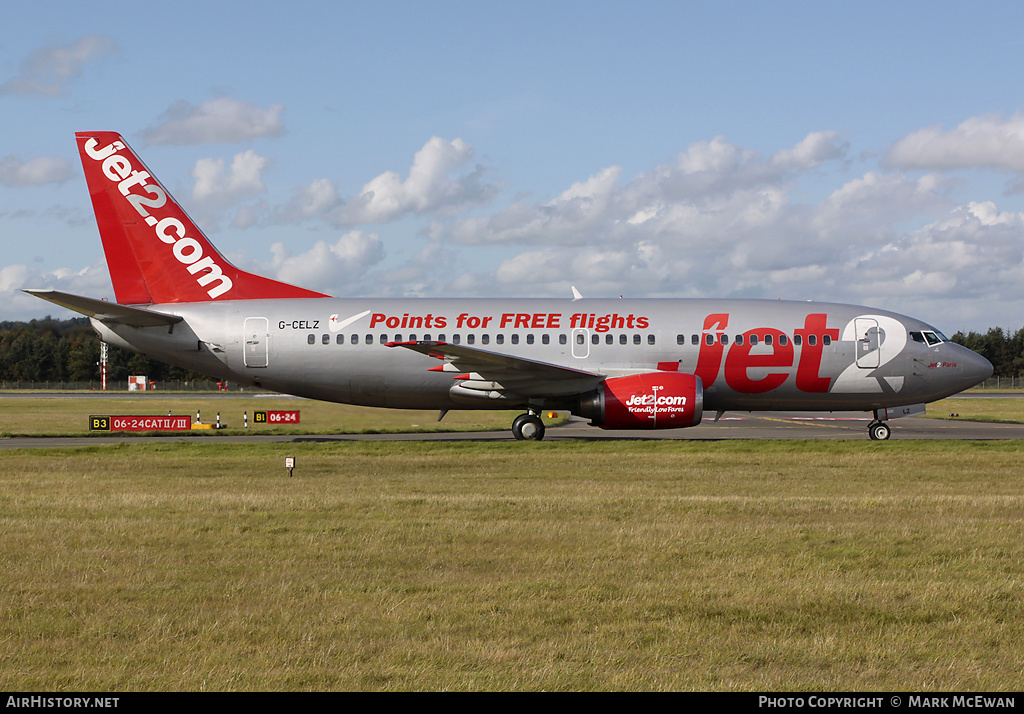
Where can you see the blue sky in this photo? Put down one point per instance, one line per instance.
(859, 152)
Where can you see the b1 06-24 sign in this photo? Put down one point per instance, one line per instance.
(277, 417)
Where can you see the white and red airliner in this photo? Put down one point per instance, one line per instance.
(624, 364)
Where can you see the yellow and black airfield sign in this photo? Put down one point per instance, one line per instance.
(140, 423)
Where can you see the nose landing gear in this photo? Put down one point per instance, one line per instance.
(879, 430)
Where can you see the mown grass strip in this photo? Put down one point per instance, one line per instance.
(629, 565)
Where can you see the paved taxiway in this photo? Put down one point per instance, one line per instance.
(738, 425)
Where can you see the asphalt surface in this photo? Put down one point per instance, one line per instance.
(738, 425)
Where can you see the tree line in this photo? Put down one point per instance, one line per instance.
(49, 350)
(1004, 350)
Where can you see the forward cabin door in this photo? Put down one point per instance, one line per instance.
(257, 341)
(868, 342)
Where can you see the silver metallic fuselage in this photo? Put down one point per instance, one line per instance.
(861, 358)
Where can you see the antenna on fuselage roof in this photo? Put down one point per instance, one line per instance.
(576, 294)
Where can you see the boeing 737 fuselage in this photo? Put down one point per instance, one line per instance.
(624, 364)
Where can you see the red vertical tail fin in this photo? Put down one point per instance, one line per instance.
(155, 253)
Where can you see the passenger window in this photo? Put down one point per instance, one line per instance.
(724, 339)
(485, 339)
(797, 340)
(354, 340)
(369, 339)
(680, 339)
(609, 340)
(398, 338)
(311, 339)
(650, 339)
(783, 340)
(383, 339)
(426, 337)
(695, 340)
(753, 339)
(595, 338)
(440, 338)
(529, 339)
(812, 340)
(579, 338)
(500, 339)
(709, 339)
(339, 339)
(739, 339)
(470, 338)
(826, 340)
(623, 339)
(456, 339)
(562, 339)
(636, 339)
(515, 339)
(545, 339)
(768, 340)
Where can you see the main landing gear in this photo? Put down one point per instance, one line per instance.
(528, 427)
(879, 430)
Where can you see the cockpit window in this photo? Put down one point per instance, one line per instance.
(929, 337)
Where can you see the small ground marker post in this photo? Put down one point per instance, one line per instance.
(289, 463)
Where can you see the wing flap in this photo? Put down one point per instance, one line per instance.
(483, 370)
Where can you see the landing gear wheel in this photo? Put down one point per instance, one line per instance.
(879, 430)
(528, 427)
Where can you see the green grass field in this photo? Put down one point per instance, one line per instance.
(840, 565)
(1009, 411)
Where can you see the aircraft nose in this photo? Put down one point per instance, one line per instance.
(976, 368)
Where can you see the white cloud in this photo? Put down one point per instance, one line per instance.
(48, 70)
(814, 149)
(14, 304)
(331, 267)
(986, 141)
(314, 199)
(34, 172)
(221, 120)
(720, 221)
(429, 187)
(712, 186)
(217, 188)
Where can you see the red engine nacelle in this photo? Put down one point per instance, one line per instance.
(654, 400)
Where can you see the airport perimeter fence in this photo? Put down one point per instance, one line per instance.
(95, 386)
(1003, 383)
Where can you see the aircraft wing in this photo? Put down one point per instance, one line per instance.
(107, 311)
(486, 371)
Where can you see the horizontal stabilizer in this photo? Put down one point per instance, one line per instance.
(107, 311)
